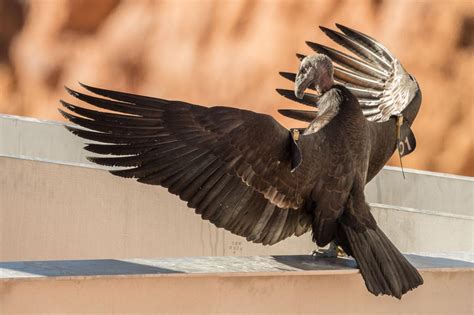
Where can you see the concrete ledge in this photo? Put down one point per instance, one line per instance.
(83, 213)
(423, 190)
(268, 285)
(65, 207)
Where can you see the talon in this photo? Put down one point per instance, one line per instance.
(333, 251)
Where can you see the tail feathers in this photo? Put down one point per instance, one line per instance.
(384, 269)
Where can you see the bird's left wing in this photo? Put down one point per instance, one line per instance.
(231, 165)
(372, 73)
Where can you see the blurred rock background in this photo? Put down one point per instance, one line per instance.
(230, 52)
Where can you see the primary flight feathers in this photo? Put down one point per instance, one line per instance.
(207, 156)
(373, 75)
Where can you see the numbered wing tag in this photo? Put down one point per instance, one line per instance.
(406, 141)
(296, 157)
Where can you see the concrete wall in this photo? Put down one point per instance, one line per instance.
(441, 193)
(445, 293)
(53, 211)
(263, 285)
(54, 204)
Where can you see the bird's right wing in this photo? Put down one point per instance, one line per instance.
(232, 166)
(373, 74)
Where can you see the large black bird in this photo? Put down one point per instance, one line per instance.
(246, 173)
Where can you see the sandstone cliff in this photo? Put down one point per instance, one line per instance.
(230, 52)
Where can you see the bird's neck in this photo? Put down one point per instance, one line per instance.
(325, 84)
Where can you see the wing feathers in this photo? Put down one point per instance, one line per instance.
(368, 41)
(356, 65)
(192, 174)
(356, 47)
(195, 200)
(216, 159)
(119, 119)
(304, 115)
(357, 79)
(122, 107)
(300, 56)
(144, 101)
(110, 138)
(108, 127)
(373, 74)
(308, 98)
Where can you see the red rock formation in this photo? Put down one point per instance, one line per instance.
(229, 53)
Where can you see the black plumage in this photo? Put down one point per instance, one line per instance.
(236, 167)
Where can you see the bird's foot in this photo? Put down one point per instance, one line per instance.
(333, 251)
(324, 253)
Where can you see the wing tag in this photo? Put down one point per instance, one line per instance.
(406, 142)
(296, 157)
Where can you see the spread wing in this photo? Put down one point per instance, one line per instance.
(372, 73)
(232, 166)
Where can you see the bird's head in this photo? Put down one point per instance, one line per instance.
(315, 71)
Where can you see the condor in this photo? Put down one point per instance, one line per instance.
(246, 173)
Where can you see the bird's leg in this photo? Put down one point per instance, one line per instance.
(331, 252)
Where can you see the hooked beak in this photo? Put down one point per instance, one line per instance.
(302, 82)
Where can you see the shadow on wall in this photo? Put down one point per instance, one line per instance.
(229, 53)
(64, 268)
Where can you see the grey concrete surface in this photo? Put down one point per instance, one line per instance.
(224, 285)
(202, 265)
(424, 231)
(40, 140)
(423, 190)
